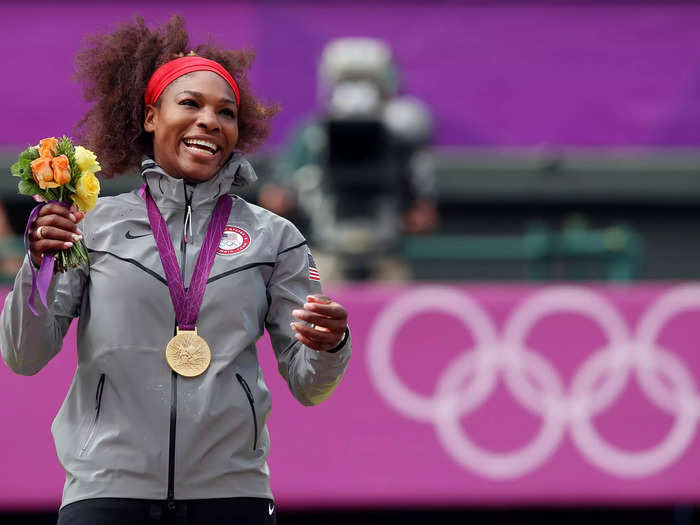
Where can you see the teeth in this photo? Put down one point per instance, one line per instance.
(198, 142)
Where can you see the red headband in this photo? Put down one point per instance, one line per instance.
(169, 71)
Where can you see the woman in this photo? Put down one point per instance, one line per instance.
(151, 430)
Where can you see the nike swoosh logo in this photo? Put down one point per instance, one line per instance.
(128, 235)
(270, 508)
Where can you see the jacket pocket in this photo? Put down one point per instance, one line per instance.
(251, 401)
(93, 424)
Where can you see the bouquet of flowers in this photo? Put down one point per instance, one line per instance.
(58, 171)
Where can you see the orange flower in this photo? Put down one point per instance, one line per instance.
(61, 170)
(47, 146)
(43, 174)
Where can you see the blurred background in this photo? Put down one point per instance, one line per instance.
(517, 181)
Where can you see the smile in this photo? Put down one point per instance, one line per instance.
(201, 145)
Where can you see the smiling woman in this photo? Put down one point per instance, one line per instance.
(115, 70)
(194, 126)
(166, 419)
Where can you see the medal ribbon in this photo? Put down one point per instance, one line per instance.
(41, 280)
(187, 303)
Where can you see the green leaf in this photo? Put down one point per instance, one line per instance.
(28, 155)
(70, 187)
(28, 187)
(22, 168)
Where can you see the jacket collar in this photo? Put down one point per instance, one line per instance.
(169, 192)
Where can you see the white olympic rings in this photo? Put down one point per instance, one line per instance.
(471, 377)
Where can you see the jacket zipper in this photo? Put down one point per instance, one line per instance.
(249, 395)
(173, 374)
(98, 406)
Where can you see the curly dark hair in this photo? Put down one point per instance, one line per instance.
(115, 68)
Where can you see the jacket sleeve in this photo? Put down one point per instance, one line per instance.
(311, 375)
(29, 342)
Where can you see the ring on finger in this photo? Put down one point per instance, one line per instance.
(38, 232)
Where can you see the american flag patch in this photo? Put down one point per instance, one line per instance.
(313, 271)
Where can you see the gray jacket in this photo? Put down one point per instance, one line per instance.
(131, 428)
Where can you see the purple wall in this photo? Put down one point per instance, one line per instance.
(505, 74)
(457, 394)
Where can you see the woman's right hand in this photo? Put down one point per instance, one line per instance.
(56, 228)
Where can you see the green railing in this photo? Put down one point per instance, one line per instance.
(613, 253)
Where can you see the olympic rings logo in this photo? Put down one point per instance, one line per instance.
(594, 387)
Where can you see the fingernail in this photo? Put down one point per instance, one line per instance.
(77, 237)
(78, 231)
(72, 217)
(68, 244)
(297, 313)
(293, 325)
(308, 306)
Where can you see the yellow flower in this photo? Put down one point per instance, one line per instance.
(88, 188)
(86, 160)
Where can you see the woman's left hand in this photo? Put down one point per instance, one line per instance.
(327, 320)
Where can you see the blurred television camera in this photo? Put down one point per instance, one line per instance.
(360, 172)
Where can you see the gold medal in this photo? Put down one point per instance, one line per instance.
(187, 353)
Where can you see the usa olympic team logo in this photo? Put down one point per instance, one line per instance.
(234, 240)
